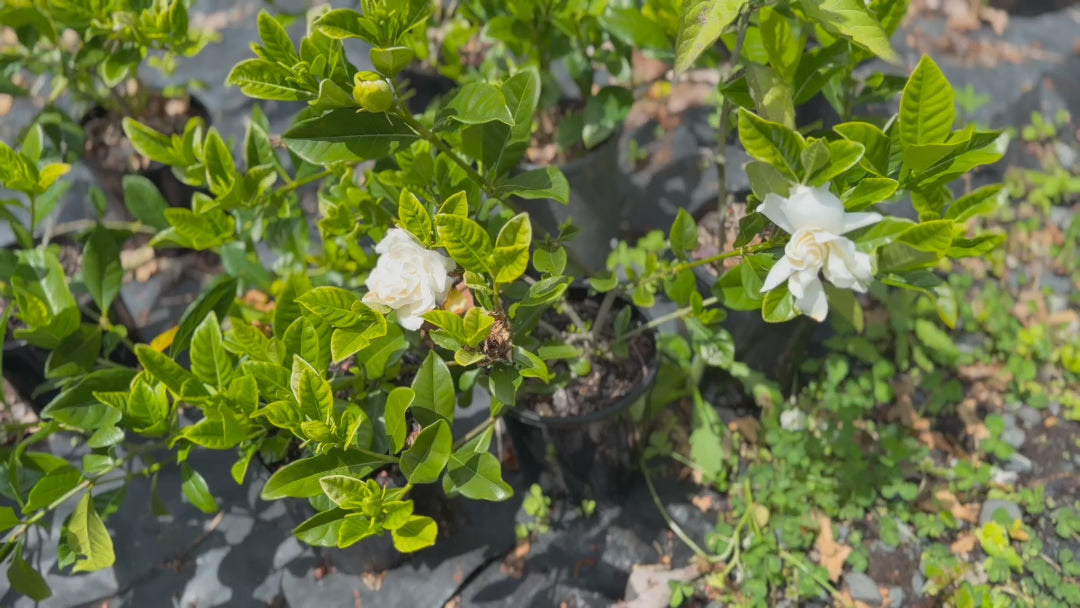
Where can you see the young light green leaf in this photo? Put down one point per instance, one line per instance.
(510, 259)
(150, 143)
(300, 478)
(345, 491)
(425, 460)
(276, 40)
(851, 18)
(927, 108)
(417, 533)
(476, 103)
(312, 391)
(983, 201)
(772, 143)
(51, 487)
(209, 360)
(336, 305)
(262, 79)
(466, 241)
(700, 25)
(89, 538)
(391, 60)
(414, 217)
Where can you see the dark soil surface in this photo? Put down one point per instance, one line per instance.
(610, 379)
(108, 148)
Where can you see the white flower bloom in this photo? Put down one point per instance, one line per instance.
(793, 420)
(816, 220)
(408, 278)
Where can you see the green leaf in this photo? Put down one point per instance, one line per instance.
(700, 25)
(604, 114)
(545, 183)
(344, 23)
(322, 529)
(8, 519)
(261, 79)
(347, 136)
(144, 201)
(475, 475)
(765, 178)
(466, 241)
(510, 258)
(843, 155)
(76, 405)
(209, 360)
(781, 45)
(275, 39)
(635, 29)
(344, 491)
(927, 108)
(771, 95)
(778, 306)
(104, 437)
(476, 103)
(868, 192)
(434, 388)
(501, 146)
(217, 297)
(772, 143)
(391, 60)
(414, 217)
(397, 402)
(417, 533)
(312, 391)
(426, 459)
(220, 167)
(935, 236)
(89, 538)
(875, 143)
(196, 490)
(337, 306)
(27, 581)
(150, 143)
(300, 478)
(975, 247)
(851, 19)
(983, 201)
(684, 235)
(707, 438)
(163, 369)
(51, 487)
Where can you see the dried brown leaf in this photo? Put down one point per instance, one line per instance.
(832, 554)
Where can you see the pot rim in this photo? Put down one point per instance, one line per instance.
(562, 422)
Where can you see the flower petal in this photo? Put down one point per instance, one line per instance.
(772, 208)
(809, 295)
(780, 272)
(411, 322)
(810, 208)
(847, 268)
(854, 221)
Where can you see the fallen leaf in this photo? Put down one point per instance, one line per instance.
(704, 503)
(964, 544)
(832, 554)
(747, 426)
(1050, 422)
(944, 499)
(973, 425)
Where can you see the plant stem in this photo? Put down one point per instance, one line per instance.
(741, 251)
(305, 181)
(79, 226)
(478, 429)
(437, 141)
(602, 315)
(725, 113)
(675, 528)
(671, 316)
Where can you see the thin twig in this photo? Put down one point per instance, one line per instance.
(671, 523)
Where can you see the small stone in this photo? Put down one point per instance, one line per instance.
(1009, 419)
(1030, 416)
(1065, 154)
(1014, 436)
(917, 584)
(896, 597)
(991, 506)
(863, 588)
(1055, 408)
(1019, 463)
(1005, 478)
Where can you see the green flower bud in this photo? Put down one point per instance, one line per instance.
(373, 95)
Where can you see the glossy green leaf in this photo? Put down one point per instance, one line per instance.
(344, 23)
(545, 183)
(312, 391)
(338, 306)
(700, 25)
(397, 402)
(476, 476)
(209, 360)
(275, 40)
(425, 460)
(261, 79)
(850, 18)
(89, 538)
(76, 405)
(684, 235)
(144, 201)
(27, 581)
(983, 201)
(52, 487)
(434, 388)
(216, 297)
(391, 60)
(772, 143)
(347, 136)
(875, 143)
(195, 489)
(417, 533)
(466, 241)
(927, 109)
(151, 144)
(868, 192)
(322, 529)
(300, 478)
(344, 491)
(510, 258)
(476, 103)
(414, 217)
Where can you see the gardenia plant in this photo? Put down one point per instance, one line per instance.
(426, 282)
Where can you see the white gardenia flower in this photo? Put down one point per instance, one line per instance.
(816, 220)
(793, 420)
(408, 278)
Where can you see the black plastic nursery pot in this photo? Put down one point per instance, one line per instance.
(598, 195)
(588, 455)
(110, 157)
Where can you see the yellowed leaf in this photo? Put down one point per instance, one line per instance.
(832, 554)
(164, 339)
